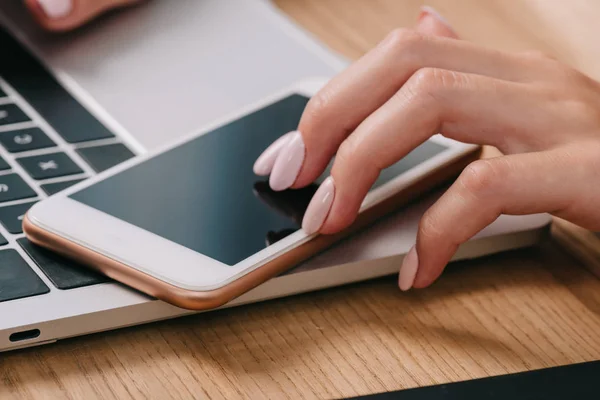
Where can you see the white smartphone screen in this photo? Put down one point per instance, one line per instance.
(203, 194)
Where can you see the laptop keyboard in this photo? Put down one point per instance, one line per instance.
(18, 280)
(48, 142)
(63, 273)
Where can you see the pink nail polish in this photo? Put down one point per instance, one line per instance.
(288, 163)
(319, 207)
(264, 163)
(55, 9)
(408, 271)
(428, 10)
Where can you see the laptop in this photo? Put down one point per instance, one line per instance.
(73, 105)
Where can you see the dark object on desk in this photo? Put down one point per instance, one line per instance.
(576, 381)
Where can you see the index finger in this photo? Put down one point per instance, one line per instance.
(349, 98)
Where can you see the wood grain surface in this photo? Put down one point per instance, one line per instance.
(512, 312)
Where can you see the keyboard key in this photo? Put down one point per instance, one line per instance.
(13, 187)
(103, 157)
(3, 164)
(12, 114)
(25, 139)
(12, 217)
(62, 272)
(49, 165)
(3, 241)
(17, 279)
(52, 188)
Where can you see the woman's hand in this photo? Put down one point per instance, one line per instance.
(63, 15)
(544, 115)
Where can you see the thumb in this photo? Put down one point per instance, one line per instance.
(63, 15)
(430, 22)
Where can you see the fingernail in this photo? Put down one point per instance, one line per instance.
(264, 163)
(428, 10)
(56, 8)
(319, 207)
(408, 271)
(288, 163)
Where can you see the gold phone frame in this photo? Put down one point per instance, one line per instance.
(204, 300)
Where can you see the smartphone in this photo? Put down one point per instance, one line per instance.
(192, 225)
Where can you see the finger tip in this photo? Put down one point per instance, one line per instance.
(278, 181)
(402, 286)
(308, 228)
(319, 207)
(59, 22)
(259, 168)
(408, 270)
(66, 15)
(266, 160)
(287, 163)
(56, 9)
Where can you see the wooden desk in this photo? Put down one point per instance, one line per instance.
(513, 312)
